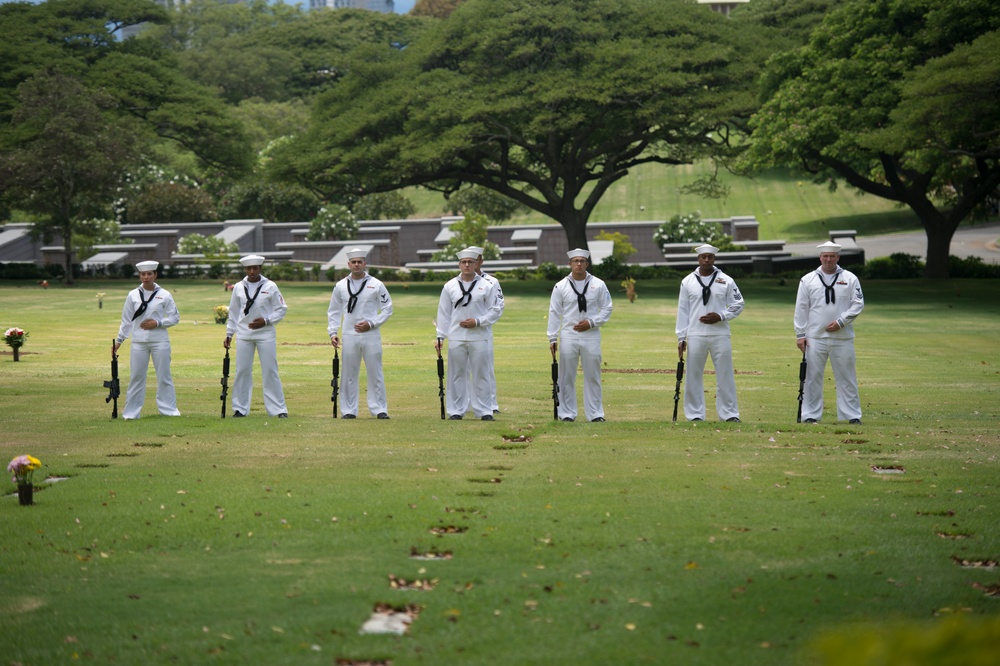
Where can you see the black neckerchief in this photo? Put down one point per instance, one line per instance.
(145, 303)
(831, 297)
(353, 300)
(706, 289)
(466, 297)
(581, 298)
(251, 301)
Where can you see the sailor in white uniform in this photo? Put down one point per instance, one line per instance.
(148, 312)
(492, 372)
(363, 304)
(828, 301)
(255, 309)
(580, 305)
(467, 309)
(709, 299)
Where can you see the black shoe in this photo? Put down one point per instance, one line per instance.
(599, 419)
(496, 411)
(568, 419)
(693, 420)
(810, 421)
(455, 417)
(238, 415)
(383, 416)
(349, 416)
(283, 415)
(855, 421)
(488, 417)
(733, 419)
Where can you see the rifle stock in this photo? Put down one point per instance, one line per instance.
(335, 382)
(677, 386)
(225, 383)
(802, 385)
(440, 369)
(555, 387)
(113, 386)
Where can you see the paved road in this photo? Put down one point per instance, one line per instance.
(977, 241)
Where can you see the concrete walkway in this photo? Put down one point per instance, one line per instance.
(968, 241)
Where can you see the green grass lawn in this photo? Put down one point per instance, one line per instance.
(637, 541)
(787, 207)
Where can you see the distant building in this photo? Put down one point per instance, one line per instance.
(384, 6)
(723, 6)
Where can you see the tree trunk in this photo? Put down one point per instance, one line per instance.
(574, 223)
(939, 234)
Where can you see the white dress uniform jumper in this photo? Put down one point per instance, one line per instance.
(249, 301)
(468, 348)
(573, 301)
(699, 296)
(355, 301)
(822, 299)
(159, 306)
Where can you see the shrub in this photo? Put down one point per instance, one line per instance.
(470, 231)
(688, 228)
(610, 269)
(551, 272)
(623, 248)
(210, 246)
(170, 203)
(333, 222)
(972, 267)
(898, 266)
(384, 206)
(267, 200)
(88, 233)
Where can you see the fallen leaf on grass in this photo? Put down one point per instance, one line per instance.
(975, 564)
(417, 584)
(448, 529)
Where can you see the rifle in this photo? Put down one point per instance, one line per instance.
(802, 385)
(336, 380)
(441, 378)
(677, 386)
(555, 386)
(225, 383)
(114, 388)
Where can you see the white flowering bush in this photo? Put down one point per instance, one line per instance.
(333, 222)
(688, 228)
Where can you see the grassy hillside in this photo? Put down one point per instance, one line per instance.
(786, 207)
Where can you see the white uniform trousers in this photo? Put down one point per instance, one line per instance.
(841, 355)
(491, 373)
(468, 358)
(720, 347)
(367, 346)
(267, 354)
(586, 352)
(166, 398)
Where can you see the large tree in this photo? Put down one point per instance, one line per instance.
(897, 98)
(548, 102)
(66, 150)
(131, 86)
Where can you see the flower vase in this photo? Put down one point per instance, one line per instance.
(25, 494)
(17, 354)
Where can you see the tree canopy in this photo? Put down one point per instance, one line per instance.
(897, 98)
(66, 152)
(547, 102)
